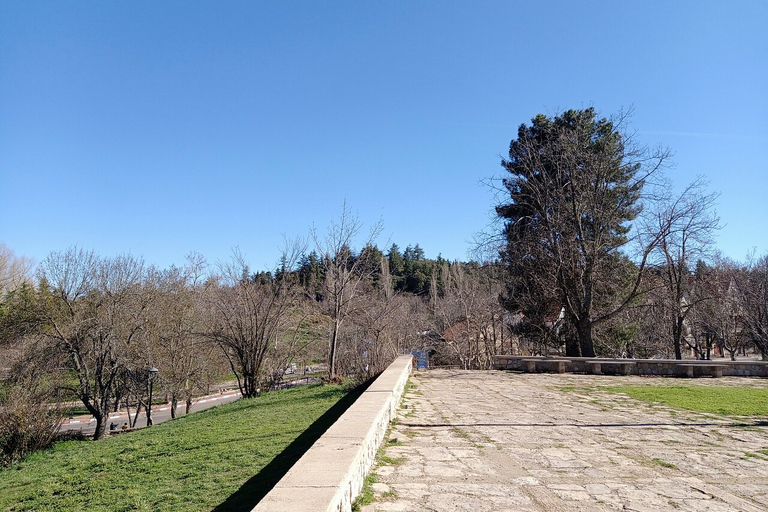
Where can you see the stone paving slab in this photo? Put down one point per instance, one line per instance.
(501, 441)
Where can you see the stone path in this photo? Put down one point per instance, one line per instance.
(497, 441)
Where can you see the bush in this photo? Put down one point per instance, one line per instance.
(28, 423)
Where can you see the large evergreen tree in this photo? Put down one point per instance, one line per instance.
(396, 267)
(574, 186)
(417, 270)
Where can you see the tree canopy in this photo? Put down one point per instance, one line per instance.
(575, 183)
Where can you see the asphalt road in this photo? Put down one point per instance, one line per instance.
(160, 413)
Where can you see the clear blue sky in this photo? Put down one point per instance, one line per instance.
(159, 128)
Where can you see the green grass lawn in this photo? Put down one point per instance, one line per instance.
(728, 401)
(223, 458)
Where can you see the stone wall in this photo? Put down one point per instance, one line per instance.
(662, 367)
(330, 474)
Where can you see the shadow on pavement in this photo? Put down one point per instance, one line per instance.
(252, 491)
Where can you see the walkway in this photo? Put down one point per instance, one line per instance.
(496, 441)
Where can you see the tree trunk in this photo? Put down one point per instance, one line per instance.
(677, 334)
(584, 331)
(100, 412)
(136, 416)
(572, 348)
(251, 389)
(174, 404)
(332, 350)
(101, 427)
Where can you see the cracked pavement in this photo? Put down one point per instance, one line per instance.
(496, 441)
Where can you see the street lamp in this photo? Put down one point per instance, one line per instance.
(151, 377)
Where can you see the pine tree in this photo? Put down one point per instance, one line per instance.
(574, 186)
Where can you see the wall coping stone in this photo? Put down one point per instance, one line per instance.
(330, 475)
(661, 367)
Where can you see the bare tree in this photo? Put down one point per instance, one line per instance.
(718, 322)
(754, 304)
(686, 227)
(385, 278)
(30, 411)
(469, 315)
(374, 327)
(179, 351)
(95, 313)
(344, 275)
(14, 270)
(251, 317)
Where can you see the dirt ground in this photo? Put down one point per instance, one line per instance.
(498, 441)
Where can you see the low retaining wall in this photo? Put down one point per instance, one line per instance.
(329, 476)
(665, 367)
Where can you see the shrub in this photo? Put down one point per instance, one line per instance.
(28, 423)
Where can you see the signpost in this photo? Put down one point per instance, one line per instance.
(422, 359)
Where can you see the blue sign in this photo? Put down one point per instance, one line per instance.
(422, 359)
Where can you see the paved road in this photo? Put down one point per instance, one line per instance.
(499, 441)
(160, 413)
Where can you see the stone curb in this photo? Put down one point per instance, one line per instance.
(329, 476)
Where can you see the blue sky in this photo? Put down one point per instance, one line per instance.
(160, 128)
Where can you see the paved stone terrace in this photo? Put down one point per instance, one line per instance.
(501, 441)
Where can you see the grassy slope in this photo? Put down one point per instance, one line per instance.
(730, 401)
(193, 463)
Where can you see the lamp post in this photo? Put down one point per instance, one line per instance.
(152, 371)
